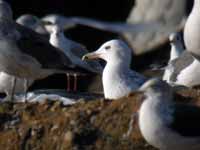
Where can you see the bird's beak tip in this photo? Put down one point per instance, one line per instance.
(90, 56)
(84, 57)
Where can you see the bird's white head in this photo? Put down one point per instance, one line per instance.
(114, 51)
(177, 47)
(5, 10)
(62, 22)
(175, 37)
(52, 27)
(156, 87)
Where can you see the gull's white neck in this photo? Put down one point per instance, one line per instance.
(60, 41)
(117, 66)
(57, 36)
(176, 50)
(114, 75)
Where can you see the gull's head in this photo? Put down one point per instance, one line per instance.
(61, 21)
(52, 28)
(156, 86)
(116, 51)
(5, 10)
(174, 38)
(28, 20)
(176, 45)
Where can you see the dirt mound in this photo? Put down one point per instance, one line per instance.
(93, 125)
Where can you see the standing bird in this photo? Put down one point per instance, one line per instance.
(73, 50)
(176, 50)
(118, 79)
(25, 53)
(192, 30)
(21, 85)
(165, 124)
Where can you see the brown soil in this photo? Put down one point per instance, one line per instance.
(93, 125)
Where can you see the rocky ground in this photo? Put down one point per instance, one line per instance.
(93, 125)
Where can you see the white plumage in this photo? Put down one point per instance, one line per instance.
(192, 30)
(165, 124)
(176, 50)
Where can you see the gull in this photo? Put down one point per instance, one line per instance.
(118, 79)
(165, 124)
(176, 50)
(21, 85)
(73, 50)
(20, 51)
(192, 30)
(184, 70)
(32, 22)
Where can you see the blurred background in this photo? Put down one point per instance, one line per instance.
(117, 10)
(152, 48)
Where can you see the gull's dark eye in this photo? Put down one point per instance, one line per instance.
(47, 23)
(108, 47)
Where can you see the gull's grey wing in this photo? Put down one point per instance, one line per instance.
(186, 120)
(178, 64)
(38, 47)
(78, 49)
(134, 78)
(117, 27)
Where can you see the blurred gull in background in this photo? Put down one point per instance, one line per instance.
(73, 50)
(176, 50)
(21, 85)
(20, 51)
(177, 47)
(165, 124)
(184, 70)
(118, 79)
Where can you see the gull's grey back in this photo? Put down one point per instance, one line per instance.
(180, 63)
